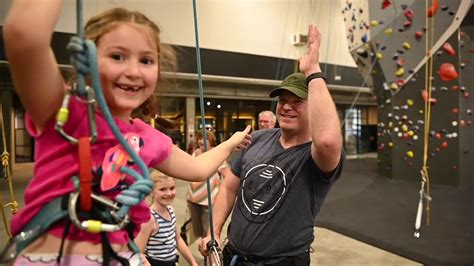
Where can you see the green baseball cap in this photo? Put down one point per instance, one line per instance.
(295, 83)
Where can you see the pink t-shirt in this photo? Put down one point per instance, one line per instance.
(56, 161)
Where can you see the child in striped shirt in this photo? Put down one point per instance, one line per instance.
(158, 238)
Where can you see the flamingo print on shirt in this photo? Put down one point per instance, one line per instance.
(115, 158)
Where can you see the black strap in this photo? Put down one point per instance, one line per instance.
(316, 75)
(61, 247)
(108, 252)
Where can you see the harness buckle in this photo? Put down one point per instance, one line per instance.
(95, 226)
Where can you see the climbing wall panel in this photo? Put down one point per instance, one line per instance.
(392, 54)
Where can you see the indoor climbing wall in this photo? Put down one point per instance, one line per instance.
(402, 48)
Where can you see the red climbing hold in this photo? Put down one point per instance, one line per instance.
(418, 35)
(407, 24)
(444, 144)
(400, 82)
(424, 95)
(447, 72)
(400, 62)
(386, 3)
(449, 49)
(409, 14)
(433, 8)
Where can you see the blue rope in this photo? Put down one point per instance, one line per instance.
(203, 118)
(84, 58)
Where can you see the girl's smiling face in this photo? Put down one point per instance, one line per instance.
(164, 191)
(128, 66)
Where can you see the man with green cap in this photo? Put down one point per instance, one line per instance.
(276, 186)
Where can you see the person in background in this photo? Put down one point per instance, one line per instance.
(277, 185)
(197, 191)
(266, 119)
(158, 239)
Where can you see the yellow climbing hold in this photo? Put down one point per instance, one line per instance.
(390, 144)
(410, 154)
(400, 72)
(393, 86)
(410, 133)
(374, 23)
(410, 102)
(390, 124)
(404, 128)
(388, 32)
(379, 56)
(406, 45)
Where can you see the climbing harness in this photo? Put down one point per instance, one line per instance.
(104, 215)
(213, 247)
(5, 157)
(425, 179)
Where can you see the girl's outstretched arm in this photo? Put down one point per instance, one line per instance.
(27, 34)
(180, 164)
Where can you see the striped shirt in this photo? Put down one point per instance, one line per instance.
(197, 191)
(162, 244)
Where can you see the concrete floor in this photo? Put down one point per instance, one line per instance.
(330, 248)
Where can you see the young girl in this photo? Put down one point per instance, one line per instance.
(159, 237)
(197, 191)
(130, 58)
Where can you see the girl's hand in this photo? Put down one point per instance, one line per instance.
(241, 139)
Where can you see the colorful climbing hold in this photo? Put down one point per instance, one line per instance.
(400, 72)
(424, 95)
(410, 154)
(388, 32)
(393, 86)
(364, 38)
(447, 72)
(406, 46)
(418, 35)
(444, 144)
(449, 49)
(433, 8)
(409, 14)
(386, 3)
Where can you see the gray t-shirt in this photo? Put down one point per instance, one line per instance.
(281, 192)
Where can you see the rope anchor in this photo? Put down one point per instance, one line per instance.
(419, 212)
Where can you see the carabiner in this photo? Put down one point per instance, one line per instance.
(95, 226)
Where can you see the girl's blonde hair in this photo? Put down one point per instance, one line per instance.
(156, 176)
(106, 21)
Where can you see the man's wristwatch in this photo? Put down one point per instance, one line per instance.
(317, 75)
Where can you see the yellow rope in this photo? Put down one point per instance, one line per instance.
(5, 158)
(427, 111)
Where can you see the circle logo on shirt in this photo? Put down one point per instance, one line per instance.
(263, 189)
